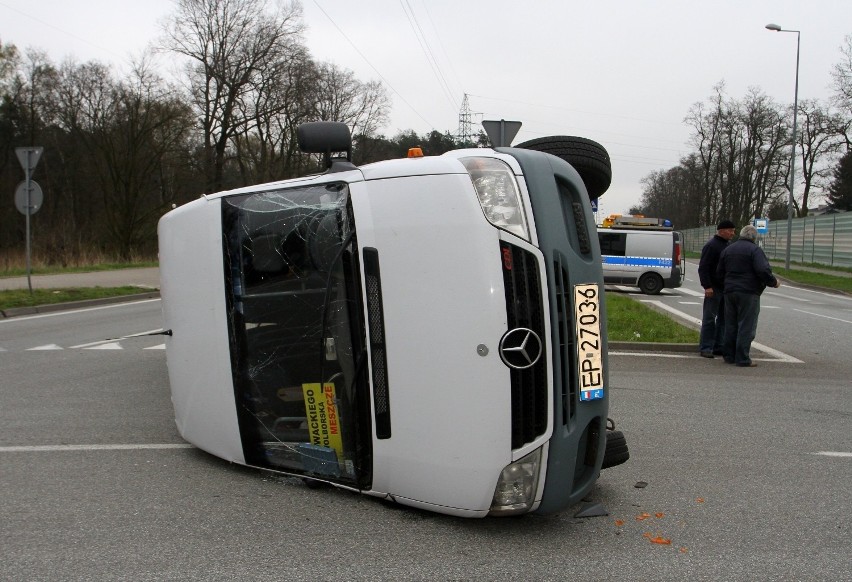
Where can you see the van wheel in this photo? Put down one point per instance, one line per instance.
(651, 284)
(616, 451)
(588, 157)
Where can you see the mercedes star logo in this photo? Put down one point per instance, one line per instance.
(520, 348)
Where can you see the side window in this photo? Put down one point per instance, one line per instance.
(613, 244)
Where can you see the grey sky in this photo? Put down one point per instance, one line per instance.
(623, 73)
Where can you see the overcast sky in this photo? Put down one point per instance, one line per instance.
(623, 73)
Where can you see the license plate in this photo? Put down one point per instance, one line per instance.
(587, 322)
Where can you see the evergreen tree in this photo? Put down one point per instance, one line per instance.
(840, 192)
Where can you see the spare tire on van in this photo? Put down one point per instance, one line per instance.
(588, 157)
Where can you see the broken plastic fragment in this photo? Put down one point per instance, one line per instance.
(595, 509)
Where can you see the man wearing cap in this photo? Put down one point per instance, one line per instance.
(713, 319)
(745, 271)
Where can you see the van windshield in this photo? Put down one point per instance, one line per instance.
(296, 331)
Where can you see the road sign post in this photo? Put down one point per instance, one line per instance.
(29, 158)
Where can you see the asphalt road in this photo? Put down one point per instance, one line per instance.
(744, 468)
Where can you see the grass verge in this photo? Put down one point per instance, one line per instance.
(630, 321)
(22, 297)
(40, 270)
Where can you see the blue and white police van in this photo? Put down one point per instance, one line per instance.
(642, 252)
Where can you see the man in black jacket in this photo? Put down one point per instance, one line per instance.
(745, 271)
(713, 317)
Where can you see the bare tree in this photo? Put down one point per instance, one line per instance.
(841, 76)
(339, 96)
(818, 142)
(738, 158)
(230, 45)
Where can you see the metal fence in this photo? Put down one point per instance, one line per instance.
(825, 240)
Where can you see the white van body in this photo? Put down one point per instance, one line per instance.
(374, 328)
(650, 258)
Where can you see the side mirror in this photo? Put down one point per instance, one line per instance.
(325, 137)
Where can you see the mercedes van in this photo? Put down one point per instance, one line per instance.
(427, 330)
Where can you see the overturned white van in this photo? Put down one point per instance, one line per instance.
(429, 330)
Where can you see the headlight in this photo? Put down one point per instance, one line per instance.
(497, 190)
(515, 491)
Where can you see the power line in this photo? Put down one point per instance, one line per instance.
(427, 50)
(447, 58)
(366, 60)
(658, 121)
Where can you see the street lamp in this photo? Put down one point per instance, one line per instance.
(776, 28)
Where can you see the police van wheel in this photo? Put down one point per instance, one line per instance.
(616, 451)
(651, 284)
(588, 157)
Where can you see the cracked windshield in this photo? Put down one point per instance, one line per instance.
(297, 349)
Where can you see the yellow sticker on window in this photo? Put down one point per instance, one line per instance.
(323, 422)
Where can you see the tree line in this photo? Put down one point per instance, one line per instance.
(122, 149)
(739, 164)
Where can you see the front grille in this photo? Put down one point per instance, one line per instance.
(524, 310)
(564, 367)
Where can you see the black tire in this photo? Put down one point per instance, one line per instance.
(651, 284)
(588, 157)
(616, 451)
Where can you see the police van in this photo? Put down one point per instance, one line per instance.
(426, 330)
(642, 252)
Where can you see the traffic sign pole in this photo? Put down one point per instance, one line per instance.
(29, 158)
(29, 205)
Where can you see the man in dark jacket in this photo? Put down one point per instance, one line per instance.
(745, 271)
(713, 318)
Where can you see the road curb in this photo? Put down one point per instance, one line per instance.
(652, 347)
(808, 286)
(70, 305)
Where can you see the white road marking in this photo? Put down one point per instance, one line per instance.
(832, 454)
(45, 347)
(785, 296)
(689, 303)
(55, 448)
(825, 316)
(58, 313)
(805, 290)
(694, 320)
(109, 346)
(691, 292)
(159, 347)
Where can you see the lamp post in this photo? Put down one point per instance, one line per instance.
(776, 28)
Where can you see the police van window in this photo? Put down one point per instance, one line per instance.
(613, 244)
